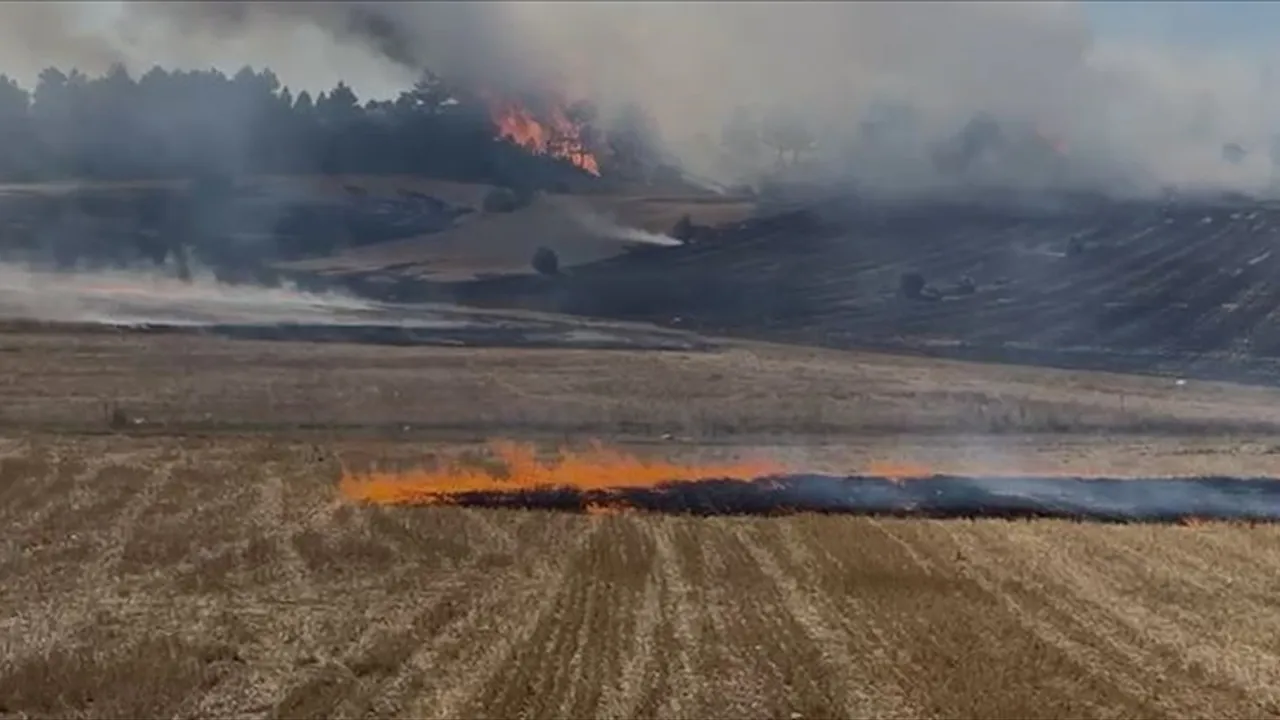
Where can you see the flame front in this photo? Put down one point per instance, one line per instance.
(597, 469)
(557, 135)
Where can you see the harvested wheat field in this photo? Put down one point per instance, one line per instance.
(197, 558)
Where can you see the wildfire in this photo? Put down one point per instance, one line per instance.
(603, 482)
(555, 134)
(895, 470)
(597, 469)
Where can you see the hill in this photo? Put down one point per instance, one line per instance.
(580, 228)
(1181, 287)
(258, 229)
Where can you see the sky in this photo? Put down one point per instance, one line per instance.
(1151, 88)
(1191, 24)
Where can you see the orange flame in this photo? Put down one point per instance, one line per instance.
(895, 470)
(557, 135)
(598, 468)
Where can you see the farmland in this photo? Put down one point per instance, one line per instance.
(196, 559)
(178, 543)
(1129, 286)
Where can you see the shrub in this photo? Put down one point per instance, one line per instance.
(505, 200)
(117, 418)
(500, 200)
(684, 229)
(546, 261)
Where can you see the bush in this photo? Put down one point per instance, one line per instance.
(546, 261)
(116, 417)
(505, 200)
(684, 229)
(911, 284)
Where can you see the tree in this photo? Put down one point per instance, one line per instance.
(546, 261)
(184, 124)
(15, 102)
(304, 105)
(785, 133)
(340, 106)
(911, 285)
(430, 95)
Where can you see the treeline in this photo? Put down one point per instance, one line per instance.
(168, 124)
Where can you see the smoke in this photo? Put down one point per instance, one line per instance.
(132, 297)
(1142, 115)
(597, 224)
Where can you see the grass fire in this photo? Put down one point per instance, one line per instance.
(517, 393)
(516, 468)
(605, 481)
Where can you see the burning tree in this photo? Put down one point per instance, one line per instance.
(557, 130)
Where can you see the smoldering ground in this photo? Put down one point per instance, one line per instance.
(605, 479)
(1143, 500)
(149, 297)
(1132, 114)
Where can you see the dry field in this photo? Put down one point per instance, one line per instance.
(580, 228)
(577, 227)
(196, 560)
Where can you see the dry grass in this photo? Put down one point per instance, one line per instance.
(503, 243)
(192, 383)
(180, 577)
(183, 572)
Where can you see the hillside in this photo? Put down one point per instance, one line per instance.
(255, 229)
(581, 229)
(1135, 286)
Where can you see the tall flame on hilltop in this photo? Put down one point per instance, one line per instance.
(554, 133)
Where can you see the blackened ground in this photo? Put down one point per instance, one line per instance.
(1102, 500)
(1176, 288)
(528, 335)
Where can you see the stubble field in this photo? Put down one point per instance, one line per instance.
(189, 555)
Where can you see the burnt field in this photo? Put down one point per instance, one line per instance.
(1129, 500)
(1136, 286)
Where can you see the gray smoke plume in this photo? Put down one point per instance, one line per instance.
(1152, 115)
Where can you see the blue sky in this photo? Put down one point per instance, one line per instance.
(1244, 25)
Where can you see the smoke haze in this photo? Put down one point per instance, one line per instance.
(1151, 114)
(133, 297)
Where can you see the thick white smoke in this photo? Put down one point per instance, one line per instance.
(1157, 114)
